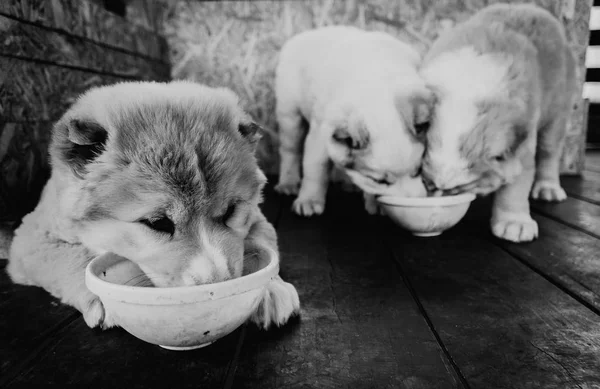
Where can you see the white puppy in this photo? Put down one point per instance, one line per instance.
(503, 81)
(360, 95)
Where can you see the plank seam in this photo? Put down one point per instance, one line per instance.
(557, 283)
(229, 379)
(71, 67)
(83, 38)
(583, 198)
(566, 223)
(233, 364)
(29, 361)
(423, 311)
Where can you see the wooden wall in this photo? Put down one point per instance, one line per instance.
(50, 52)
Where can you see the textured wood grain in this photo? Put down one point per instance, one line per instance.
(35, 43)
(359, 326)
(592, 161)
(564, 255)
(85, 19)
(504, 325)
(29, 316)
(578, 214)
(586, 187)
(575, 15)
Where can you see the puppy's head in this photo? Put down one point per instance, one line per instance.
(378, 141)
(478, 124)
(162, 174)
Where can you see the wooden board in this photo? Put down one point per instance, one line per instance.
(504, 325)
(592, 161)
(586, 187)
(31, 42)
(29, 316)
(359, 326)
(84, 19)
(567, 257)
(578, 214)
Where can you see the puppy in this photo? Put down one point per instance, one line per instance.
(503, 83)
(161, 174)
(359, 94)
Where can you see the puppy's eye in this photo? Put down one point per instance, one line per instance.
(421, 128)
(229, 212)
(162, 225)
(499, 158)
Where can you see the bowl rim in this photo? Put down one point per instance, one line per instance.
(174, 295)
(426, 201)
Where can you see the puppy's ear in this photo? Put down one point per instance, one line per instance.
(354, 138)
(252, 132)
(84, 141)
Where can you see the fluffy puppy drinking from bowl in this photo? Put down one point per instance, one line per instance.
(161, 174)
(503, 84)
(361, 96)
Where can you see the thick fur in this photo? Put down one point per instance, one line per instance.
(503, 83)
(161, 174)
(348, 96)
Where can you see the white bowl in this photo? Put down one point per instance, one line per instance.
(178, 318)
(426, 216)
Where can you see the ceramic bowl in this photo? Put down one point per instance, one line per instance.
(426, 216)
(178, 318)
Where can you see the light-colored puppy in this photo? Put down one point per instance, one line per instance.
(161, 174)
(503, 82)
(359, 93)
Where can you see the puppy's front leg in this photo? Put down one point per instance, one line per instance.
(58, 267)
(280, 300)
(315, 179)
(511, 219)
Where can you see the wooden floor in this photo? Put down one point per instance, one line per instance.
(380, 309)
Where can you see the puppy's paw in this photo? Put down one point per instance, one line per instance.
(308, 206)
(279, 303)
(95, 315)
(548, 191)
(288, 187)
(515, 227)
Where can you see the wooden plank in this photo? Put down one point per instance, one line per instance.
(575, 16)
(592, 58)
(586, 187)
(29, 316)
(591, 91)
(102, 359)
(84, 19)
(592, 161)
(573, 212)
(34, 92)
(566, 256)
(504, 325)
(595, 18)
(359, 326)
(32, 42)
